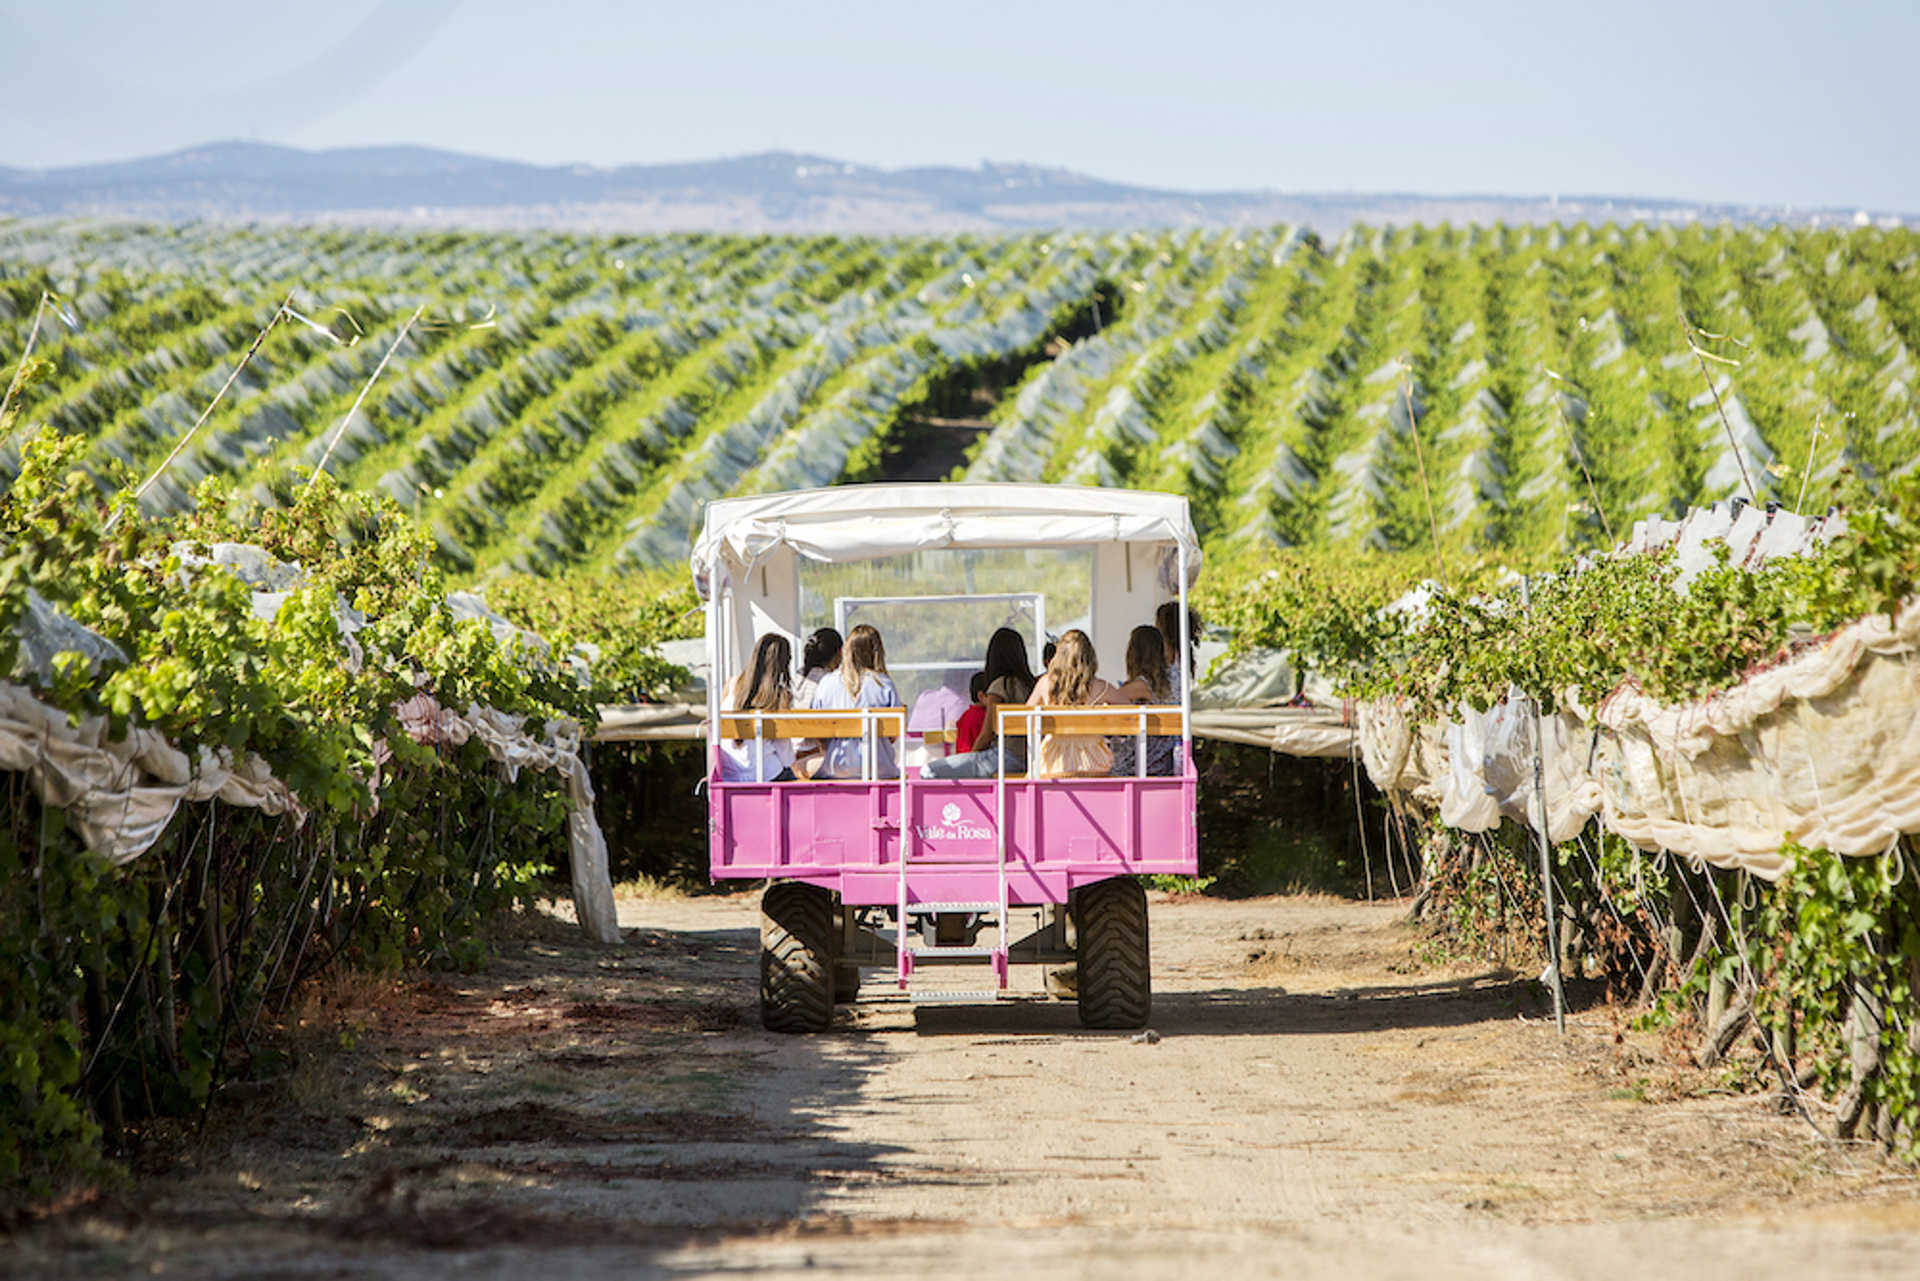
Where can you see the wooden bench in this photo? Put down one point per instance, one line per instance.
(739, 725)
(1102, 722)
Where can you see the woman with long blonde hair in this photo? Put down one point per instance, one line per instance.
(1071, 681)
(861, 682)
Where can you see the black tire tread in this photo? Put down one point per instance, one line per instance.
(1115, 971)
(796, 957)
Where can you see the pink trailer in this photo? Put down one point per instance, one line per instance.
(932, 879)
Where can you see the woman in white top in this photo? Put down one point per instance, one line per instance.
(861, 682)
(764, 687)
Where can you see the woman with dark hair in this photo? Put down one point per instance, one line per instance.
(820, 655)
(764, 687)
(1009, 680)
(1167, 619)
(1149, 682)
(1179, 675)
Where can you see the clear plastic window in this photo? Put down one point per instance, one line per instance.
(935, 611)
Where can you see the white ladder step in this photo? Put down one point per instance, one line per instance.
(946, 996)
(922, 909)
(958, 949)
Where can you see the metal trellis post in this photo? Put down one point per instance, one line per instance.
(1546, 849)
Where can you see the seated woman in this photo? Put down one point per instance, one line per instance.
(763, 687)
(861, 682)
(1149, 683)
(1069, 681)
(1009, 680)
(820, 655)
(1167, 619)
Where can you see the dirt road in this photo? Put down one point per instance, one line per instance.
(1320, 1102)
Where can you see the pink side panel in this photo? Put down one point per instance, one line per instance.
(846, 835)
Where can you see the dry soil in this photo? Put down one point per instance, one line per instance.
(1318, 1100)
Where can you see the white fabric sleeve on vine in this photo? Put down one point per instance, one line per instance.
(1822, 749)
(1489, 774)
(120, 795)
(1401, 757)
(507, 741)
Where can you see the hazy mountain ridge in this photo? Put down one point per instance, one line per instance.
(769, 191)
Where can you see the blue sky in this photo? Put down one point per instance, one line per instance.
(1755, 102)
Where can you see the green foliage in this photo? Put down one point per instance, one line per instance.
(623, 617)
(1321, 607)
(133, 991)
(1181, 884)
(1838, 951)
(560, 380)
(1585, 629)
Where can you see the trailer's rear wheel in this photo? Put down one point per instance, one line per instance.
(846, 977)
(1114, 974)
(796, 957)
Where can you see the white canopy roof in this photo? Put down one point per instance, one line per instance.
(861, 522)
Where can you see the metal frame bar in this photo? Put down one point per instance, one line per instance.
(714, 641)
(1187, 674)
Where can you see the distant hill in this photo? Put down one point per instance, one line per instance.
(771, 191)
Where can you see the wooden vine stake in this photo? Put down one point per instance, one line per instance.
(352, 409)
(1420, 457)
(1546, 849)
(26, 354)
(1692, 333)
(279, 314)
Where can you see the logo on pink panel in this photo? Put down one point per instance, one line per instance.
(950, 828)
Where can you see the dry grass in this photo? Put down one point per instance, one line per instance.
(331, 1016)
(649, 889)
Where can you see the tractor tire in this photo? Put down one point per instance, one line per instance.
(1114, 974)
(796, 957)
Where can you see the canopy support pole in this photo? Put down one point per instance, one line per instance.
(1186, 664)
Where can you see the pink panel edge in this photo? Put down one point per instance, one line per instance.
(861, 882)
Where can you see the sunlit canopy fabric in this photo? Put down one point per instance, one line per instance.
(863, 522)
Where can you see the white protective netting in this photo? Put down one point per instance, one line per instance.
(120, 794)
(1821, 749)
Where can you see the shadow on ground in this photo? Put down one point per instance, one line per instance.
(1274, 1011)
(568, 1096)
